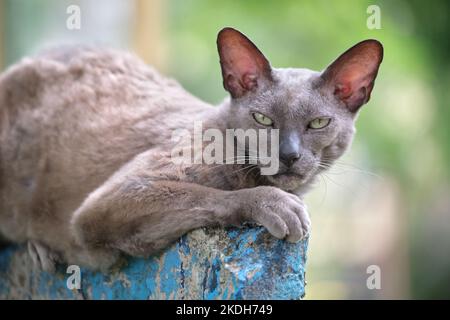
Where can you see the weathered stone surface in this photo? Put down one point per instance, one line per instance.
(236, 263)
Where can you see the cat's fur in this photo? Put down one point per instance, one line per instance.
(85, 141)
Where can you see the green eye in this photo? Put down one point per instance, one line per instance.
(319, 123)
(262, 119)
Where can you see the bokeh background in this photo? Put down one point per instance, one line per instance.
(387, 202)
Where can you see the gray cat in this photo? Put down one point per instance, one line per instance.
(86, 141)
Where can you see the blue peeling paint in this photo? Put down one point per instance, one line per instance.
(247, 264)
(170, 274)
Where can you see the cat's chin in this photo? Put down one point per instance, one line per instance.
(287, 181)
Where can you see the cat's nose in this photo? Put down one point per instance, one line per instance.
(289, 159)
(290, 149)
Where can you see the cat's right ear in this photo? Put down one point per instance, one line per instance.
(244, 67)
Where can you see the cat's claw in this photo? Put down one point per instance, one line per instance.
(43, 258)
(283, 214)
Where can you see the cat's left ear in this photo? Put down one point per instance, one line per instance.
(244, 67)
(351, 77)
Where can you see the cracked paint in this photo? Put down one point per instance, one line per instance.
(234, 263)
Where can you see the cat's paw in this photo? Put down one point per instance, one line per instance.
(43, 258)
(283, 214)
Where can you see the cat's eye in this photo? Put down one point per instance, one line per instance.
(262, 119)
(319, 123)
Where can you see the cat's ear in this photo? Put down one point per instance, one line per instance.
(244, 67)
(351, 76)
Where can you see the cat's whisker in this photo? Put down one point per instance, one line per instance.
(252, 153)
(212, 167)
(334, 182)
(346, 167)
(249, 171)
(250, 168)
(350, 170)
(322, 179)
(247, 157)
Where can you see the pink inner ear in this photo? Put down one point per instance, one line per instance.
(352, 75)
(241, 70)
(353, 87)
(249, 81)
(243, 65)
(343, 91)
(353, 93)
(238, 86)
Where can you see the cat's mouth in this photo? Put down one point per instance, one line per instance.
(287, 180)
(290, 174)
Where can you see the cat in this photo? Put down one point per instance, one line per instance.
(86, 138)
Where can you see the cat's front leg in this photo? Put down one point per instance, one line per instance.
(135, 214)
(147, 217)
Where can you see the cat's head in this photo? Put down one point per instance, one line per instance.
(314, 111)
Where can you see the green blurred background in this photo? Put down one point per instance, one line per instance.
(387, 203)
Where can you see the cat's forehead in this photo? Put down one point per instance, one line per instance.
(293, 90)
(300, 76)
(294, 84)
